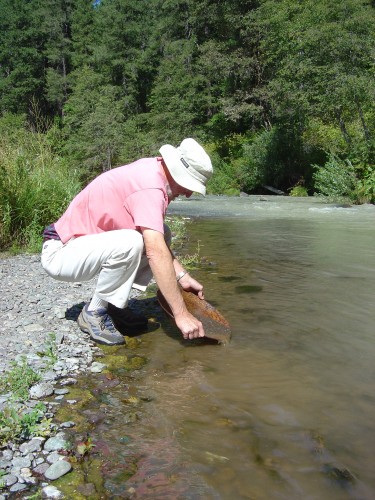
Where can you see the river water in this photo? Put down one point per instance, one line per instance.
(287, 409)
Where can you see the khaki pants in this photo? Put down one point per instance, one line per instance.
(117, 256)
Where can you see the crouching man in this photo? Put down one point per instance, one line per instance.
(114, 228)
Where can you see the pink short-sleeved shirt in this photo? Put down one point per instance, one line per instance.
(127, 197)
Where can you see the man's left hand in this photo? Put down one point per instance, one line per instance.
(189, 284)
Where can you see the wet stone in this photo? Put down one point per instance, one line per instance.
(67, 425)
(61, 391)
(97, 367)
(58, 469)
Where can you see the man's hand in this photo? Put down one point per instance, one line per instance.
(190, 327)
(191, 285)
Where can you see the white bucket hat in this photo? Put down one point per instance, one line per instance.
(189, 165)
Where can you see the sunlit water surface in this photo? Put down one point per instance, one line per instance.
(286, 410)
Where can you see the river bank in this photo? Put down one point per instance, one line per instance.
(38, 332)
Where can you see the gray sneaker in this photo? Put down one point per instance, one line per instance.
(100, 327)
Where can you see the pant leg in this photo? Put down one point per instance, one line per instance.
(114, 255)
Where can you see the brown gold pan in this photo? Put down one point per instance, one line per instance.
(215, 325)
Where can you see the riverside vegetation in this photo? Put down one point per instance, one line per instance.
(279, 93)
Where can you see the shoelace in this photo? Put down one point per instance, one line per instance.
(106, 323)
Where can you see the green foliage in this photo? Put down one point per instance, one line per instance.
(50, 350)
(364, 191)
(336, 179)
(21, 424)
(93, 122)
(298, 191)
(224, 179)
(36, 185)
(272, 84)
(178, 227)
(261, 160)
(19, 380)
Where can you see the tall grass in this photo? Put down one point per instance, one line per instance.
(36, 184)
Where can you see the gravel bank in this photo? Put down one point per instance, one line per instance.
(34, 309)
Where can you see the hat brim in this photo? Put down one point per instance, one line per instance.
(172, 159)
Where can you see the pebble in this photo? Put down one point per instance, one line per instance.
(37, 317)
(51, 492)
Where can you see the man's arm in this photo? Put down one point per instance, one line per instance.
(186, 281)
(164, 268)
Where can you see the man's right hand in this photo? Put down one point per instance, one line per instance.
(190, 326)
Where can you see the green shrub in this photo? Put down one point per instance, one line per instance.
(22, 424)
(364, 191)
(225, 176)
(336, 179)
(298, 191)
(18, 380)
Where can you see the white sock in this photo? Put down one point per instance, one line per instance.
(97, 303)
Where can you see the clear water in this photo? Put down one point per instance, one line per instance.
(287, 409)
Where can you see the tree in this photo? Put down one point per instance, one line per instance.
(93, 122)
(21, 55)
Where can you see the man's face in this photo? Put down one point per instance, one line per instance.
(176, 190)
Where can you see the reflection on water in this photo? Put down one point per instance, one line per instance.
(286, 411)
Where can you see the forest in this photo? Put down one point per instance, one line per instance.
(279, 92)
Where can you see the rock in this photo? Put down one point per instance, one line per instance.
(7, 454)
(49, 375)
(68, 381)
(61, 391)
(54, 457)
(33, 327)
(97, 367)
(5, 464)
(51, 492)
(41, 469)
(20, 462)
(41, 390)
(31, 446)
(9, 479)
(17, 487)
(58, 469)
(57, 442)
(67, 425)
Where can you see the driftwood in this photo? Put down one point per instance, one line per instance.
(274, 190)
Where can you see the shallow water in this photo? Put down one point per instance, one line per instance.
(286, 410)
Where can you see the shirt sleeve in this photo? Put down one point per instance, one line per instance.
(147, 208)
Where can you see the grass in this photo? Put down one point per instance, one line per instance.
(17, 421)
(19, 380)
(36, 185)
(179, 226)
(50, 351)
